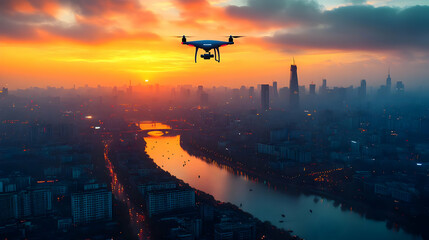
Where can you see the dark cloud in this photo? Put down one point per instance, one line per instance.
(364, 28)
(83, 32)
(105, 7)
(18, 25)
(278, 12)
(356, 27)
(356, 1)
(15, 30)
(27, 20)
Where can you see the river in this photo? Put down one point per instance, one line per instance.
(325, 222)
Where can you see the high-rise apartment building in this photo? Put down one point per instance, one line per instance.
(91, 206)
(265, 97)
(165, 200)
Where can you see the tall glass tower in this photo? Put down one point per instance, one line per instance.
(265, 97)
(388, 82)
(293, 86)
(362, 89)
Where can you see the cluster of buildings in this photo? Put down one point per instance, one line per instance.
(48, 174)
(318, 138)
(175, 210)
(49, 185)
(57, 187)
(403, 192)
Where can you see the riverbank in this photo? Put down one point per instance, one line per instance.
(376, 212)
(264, 230)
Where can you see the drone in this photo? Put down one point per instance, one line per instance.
(208, 45)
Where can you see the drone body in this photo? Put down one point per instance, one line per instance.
(208, 45)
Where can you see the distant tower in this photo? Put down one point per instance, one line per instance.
(293, 86)
(251, 92)
(265, 97)
(130, 89)
(388, 82)
(400, 87)
(200, 89)
(323, 88)
(275, 92)
(242, 92)
(362, 89)
(312, 89)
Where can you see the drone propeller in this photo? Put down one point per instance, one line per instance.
(182, 36)
(235, 36)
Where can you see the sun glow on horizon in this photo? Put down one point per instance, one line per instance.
(64, 45)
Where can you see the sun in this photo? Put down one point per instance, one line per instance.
(147, 80)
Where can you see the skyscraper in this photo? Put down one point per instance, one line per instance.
(362, 89)
(312, 89)
(200, 90)
(130, 89)
(265, 97)
(251, 92)
(293, 86)
(275, 92)
(323, 88)
(400, 87)
(388, 82)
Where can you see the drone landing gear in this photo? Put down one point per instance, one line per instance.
(218, 54)
(208, 55)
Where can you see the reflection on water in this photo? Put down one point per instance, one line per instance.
(149, 125)
(325, 220)
(155, 133)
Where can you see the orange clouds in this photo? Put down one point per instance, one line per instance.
(30, 6)
(75, 20)
(203, 17)
(194, 12)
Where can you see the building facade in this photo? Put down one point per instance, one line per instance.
(161, 201)
(91, 206)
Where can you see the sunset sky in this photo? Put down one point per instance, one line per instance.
(109, 42)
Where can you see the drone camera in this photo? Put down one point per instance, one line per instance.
(207, 56)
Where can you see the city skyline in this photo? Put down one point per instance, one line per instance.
(66, 43)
